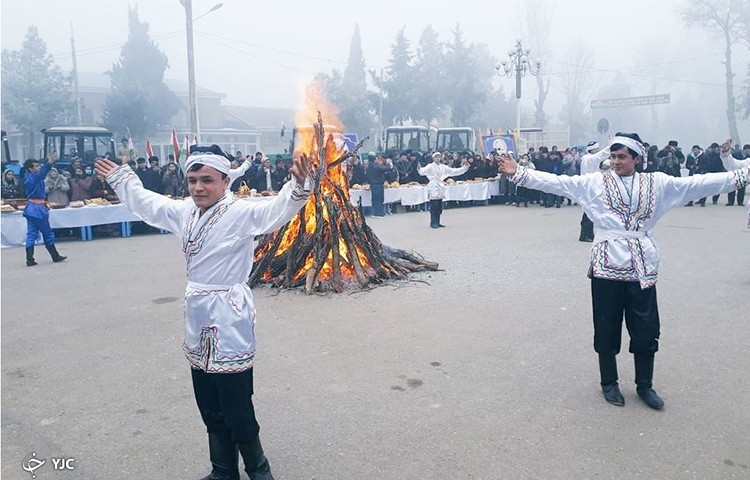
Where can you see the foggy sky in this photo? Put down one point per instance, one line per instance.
(287, 42)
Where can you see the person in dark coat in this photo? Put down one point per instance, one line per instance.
(150, 179)
(378, 172)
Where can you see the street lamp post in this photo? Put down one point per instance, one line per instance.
(193, 96)
(519, 64)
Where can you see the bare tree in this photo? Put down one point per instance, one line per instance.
(578, 84)
(726, 19)
(536, 30)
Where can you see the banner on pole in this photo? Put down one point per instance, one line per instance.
(500, 143)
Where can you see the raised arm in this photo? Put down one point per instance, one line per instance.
(730, 163)
(679, 190)
(454, 172)
(151, 207)
(580, 188)
(236, 173)
(265, 217)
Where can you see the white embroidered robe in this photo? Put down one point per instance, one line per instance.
(624, 210)
(218, 249)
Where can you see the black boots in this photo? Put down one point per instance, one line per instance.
(224, 457)
(30, 262)
(434, 219)
(644, 374)
(256, 463)
(56, 257)
(608, 374)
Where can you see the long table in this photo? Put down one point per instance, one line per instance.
(13, 224)
(417, 195)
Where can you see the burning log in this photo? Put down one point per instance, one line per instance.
(328, 245)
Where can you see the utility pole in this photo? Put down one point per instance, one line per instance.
(188, 4)
(75, 73)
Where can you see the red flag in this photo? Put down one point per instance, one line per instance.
(175, 146)
(149, 149)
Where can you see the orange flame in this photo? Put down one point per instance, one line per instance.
(306, 142)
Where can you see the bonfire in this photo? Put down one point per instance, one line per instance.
(328, 246)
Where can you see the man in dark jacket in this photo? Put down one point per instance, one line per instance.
(150, 179)
(404, 168)
(710, 162)
(377, 172)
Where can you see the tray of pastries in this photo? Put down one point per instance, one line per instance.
(96, 202)
(5, 208)
(76, 204)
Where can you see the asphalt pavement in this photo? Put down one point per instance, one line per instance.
(483, 370)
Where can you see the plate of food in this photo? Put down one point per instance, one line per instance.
(56, 205)
(76, 204)
(96, 202)
(7, 208)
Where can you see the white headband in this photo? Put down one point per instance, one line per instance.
(218, 162)
(634, 145)
(592, 147)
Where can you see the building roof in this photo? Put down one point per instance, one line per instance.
(101, 82)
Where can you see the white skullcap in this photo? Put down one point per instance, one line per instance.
(592, 146)
(217, 162)
(634, 145)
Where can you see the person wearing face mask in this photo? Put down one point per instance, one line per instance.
(624, 206)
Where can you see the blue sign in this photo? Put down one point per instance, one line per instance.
(500, 143)
(347, 141)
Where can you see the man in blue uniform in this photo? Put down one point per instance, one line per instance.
(37, 210)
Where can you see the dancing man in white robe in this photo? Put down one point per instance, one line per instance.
(217, 234)
(730, 163)
(436, 172)
(625, 206)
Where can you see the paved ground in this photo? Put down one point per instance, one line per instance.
(485, 372)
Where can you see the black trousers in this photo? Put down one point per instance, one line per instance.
(587, 227)
(611, 299)
(740, 193)
(436, 209)
(377, 190)
(226, 404)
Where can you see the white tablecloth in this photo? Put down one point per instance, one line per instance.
(391, 195)
(13, 225)
(418, 195)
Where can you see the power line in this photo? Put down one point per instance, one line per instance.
(201, 34)
(113, 46)
(302, 55)
(652, 77)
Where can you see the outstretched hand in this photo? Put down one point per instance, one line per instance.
(727, 146)
(300, 170)
(104, 167)
(508, 165)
